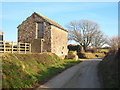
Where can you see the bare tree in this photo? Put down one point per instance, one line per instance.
(83, 32)
(114, 42)
(98, 39)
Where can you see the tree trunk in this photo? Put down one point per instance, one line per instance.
(84, 47)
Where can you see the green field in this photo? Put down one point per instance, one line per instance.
(103, 50)
(89, 55)
(30, 70)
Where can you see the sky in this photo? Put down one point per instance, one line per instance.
(14, 13)
(60, 0)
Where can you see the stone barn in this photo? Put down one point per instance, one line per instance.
(44, 35)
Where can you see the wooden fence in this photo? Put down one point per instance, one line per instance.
(14, 47)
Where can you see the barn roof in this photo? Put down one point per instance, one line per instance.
(49, 21)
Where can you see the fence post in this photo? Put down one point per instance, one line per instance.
(30, 47)
(25, 48)
(19, 46)
(12, 46)
(4, 47)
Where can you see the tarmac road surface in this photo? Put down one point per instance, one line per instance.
(82, 75)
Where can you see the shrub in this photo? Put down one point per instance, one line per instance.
(74, 48)
(81, 55)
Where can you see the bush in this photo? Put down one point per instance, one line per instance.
(74, 48)
(81, 55)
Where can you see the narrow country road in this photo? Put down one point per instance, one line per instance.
(83, 75)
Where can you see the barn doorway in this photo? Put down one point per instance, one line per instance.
(40, 30)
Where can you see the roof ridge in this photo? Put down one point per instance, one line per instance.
(44, 17)
(50, 21)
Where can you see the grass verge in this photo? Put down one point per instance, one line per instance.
(28, 70)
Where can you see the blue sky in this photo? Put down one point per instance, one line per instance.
(104, 13)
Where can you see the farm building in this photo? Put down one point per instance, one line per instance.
(44, 35)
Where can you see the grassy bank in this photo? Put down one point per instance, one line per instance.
(108, 70)
(27, 70)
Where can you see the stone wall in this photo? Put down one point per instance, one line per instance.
(27, 31)
(59, 39)
(47, 38)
